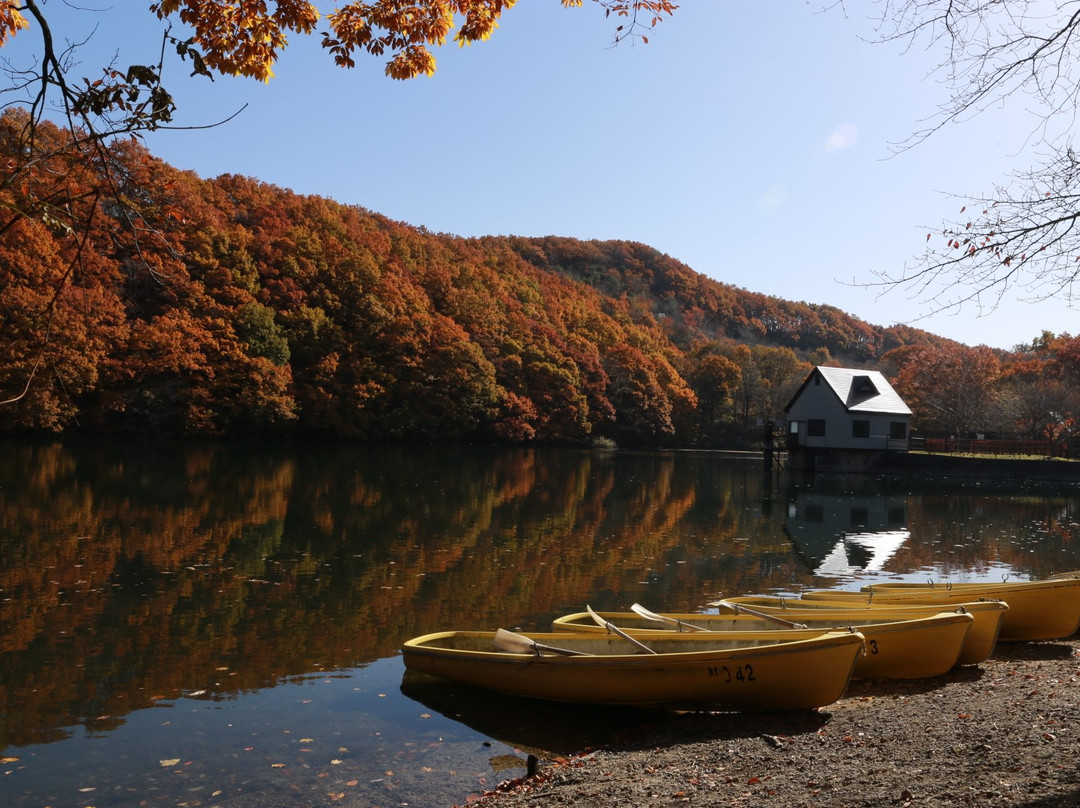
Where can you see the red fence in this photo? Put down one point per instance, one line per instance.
(1041, 448)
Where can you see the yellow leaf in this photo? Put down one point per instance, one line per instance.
(169, 762)
(11, 21)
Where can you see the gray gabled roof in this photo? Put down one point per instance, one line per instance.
(859, 390)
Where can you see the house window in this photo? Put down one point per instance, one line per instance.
(897, 430)
(815, 428)
(860, 429)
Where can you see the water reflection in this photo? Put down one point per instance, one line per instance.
(531, 727)
(844, 534)
(135, 576)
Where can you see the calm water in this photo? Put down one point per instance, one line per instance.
(219, 625)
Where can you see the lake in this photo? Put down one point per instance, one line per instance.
(219, 624)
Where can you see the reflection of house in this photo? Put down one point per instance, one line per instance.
(843, 418)
(841, 535)
(861, 552)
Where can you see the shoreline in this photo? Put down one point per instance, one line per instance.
(1002, 733)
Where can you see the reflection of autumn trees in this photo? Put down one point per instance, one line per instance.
(966, 527)
(229, 307)
(962, 530)
(131, 574)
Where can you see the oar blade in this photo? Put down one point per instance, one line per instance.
(738, 608)
(513, 643)
(641, 611)
(616, 630)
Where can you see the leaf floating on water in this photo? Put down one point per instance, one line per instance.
(9, 760)
(169, 762)
(277, 765)
(335, 762)
(307, 740)
(197, 693)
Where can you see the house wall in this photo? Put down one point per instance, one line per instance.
(818, 401)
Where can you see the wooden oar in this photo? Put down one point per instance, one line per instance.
(738, 608)
(641, 611)
(613, 628)
(520, 644)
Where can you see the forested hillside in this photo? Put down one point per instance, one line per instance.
(231, 307)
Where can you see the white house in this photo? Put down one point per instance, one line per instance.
(846, 409)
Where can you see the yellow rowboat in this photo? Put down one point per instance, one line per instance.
(987, 617)
(1038, 610)
(780, 670)
(918, 647)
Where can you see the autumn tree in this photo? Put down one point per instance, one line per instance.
(950, 391)
(226, 37)
(714, 378)
(1023, 237)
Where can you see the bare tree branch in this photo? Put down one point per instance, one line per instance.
(1023, 240)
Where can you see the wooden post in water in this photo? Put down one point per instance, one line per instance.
(767, 484)
(767, 439)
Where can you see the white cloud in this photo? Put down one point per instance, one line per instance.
(843, 137)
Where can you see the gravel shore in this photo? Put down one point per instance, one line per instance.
(1002, 733)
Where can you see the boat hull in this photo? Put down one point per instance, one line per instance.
(918, 647)
(987, 617)
(770, 671)
(1038, 610)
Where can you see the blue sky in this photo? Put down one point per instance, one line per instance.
(748, 140)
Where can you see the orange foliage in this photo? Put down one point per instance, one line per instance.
(245, 38)
(11, 20)
(231, 307)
